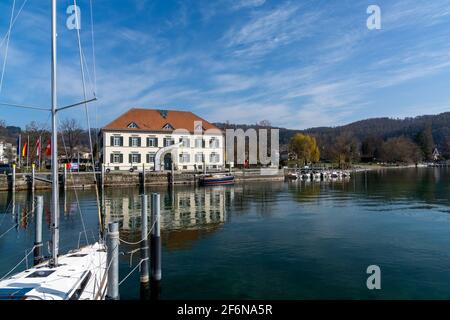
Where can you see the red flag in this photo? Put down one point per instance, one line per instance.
(48, 149)
(38, 147)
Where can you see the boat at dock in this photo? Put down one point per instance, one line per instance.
(80, 275)
(216, 179)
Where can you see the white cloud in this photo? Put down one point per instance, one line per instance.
(241, 4)
(270, 29)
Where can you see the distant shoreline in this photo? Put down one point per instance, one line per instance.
(364, 167)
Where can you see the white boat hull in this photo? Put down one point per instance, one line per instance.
(80, 275)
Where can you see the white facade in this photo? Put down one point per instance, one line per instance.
(2, 152)
(4, 148)
(122, 150)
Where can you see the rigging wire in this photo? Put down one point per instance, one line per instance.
(75, 192)
(7, 104)
(14, 21)
(18, 264)
(7, 45)
(93, 47)
(17, 223)
(94, 65)
(88, 122)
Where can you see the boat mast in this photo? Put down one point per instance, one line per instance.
(54, 149)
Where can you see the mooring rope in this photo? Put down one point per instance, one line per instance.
(134, 269)
(138, 242)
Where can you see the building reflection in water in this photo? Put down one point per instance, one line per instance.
(186, 214)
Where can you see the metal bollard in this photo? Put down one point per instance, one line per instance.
(112, 243)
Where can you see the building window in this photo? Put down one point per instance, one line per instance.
(168, 142)
(168, 126)
(133, 125)
(134, 158)
(199, 157)
(116, 141)
(135, 142)
(199, 143)
(214, 143)
(152, 142)
(185, 157)
(185, 142)
(151, 157)
(116, 158)
(214, 157)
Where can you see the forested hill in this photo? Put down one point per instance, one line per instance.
(386, 127)
(375, 128)
(9, 133)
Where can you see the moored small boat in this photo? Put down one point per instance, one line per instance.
(216, 179)
(291, 176)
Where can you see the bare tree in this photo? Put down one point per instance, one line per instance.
(72, 134)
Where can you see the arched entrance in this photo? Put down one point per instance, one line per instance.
(168, 161)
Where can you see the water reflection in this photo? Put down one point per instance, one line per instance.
(323, 234)
(186, 216)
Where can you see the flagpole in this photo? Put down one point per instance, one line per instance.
(19, 153)
(39, 151)
(28, 152)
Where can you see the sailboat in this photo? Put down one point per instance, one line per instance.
(81, 274)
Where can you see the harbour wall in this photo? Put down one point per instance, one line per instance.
(24, 181)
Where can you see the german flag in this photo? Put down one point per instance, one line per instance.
(25, 150)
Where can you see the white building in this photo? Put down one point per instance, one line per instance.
(2, 152)
(158, 138)
(5, 149)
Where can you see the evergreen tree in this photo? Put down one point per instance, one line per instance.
(426, 142)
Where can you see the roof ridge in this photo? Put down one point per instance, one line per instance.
(152, 119)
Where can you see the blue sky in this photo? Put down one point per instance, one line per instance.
(297, 64)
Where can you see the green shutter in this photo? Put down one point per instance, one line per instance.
(129, 142)
(112, 141)
(129, 158)
(121, 141)
(121, 158)
(111, 158)
(139, 142)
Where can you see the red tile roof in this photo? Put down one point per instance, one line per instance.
(154, 120)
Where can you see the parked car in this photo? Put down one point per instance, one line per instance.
(5, 169)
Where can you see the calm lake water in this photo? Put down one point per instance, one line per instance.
(273, 240)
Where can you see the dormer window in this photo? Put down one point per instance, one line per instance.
(168, 126)
(199, 127)
(163, 113)
(133, 125)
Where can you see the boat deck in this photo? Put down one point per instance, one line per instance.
(81, 275)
